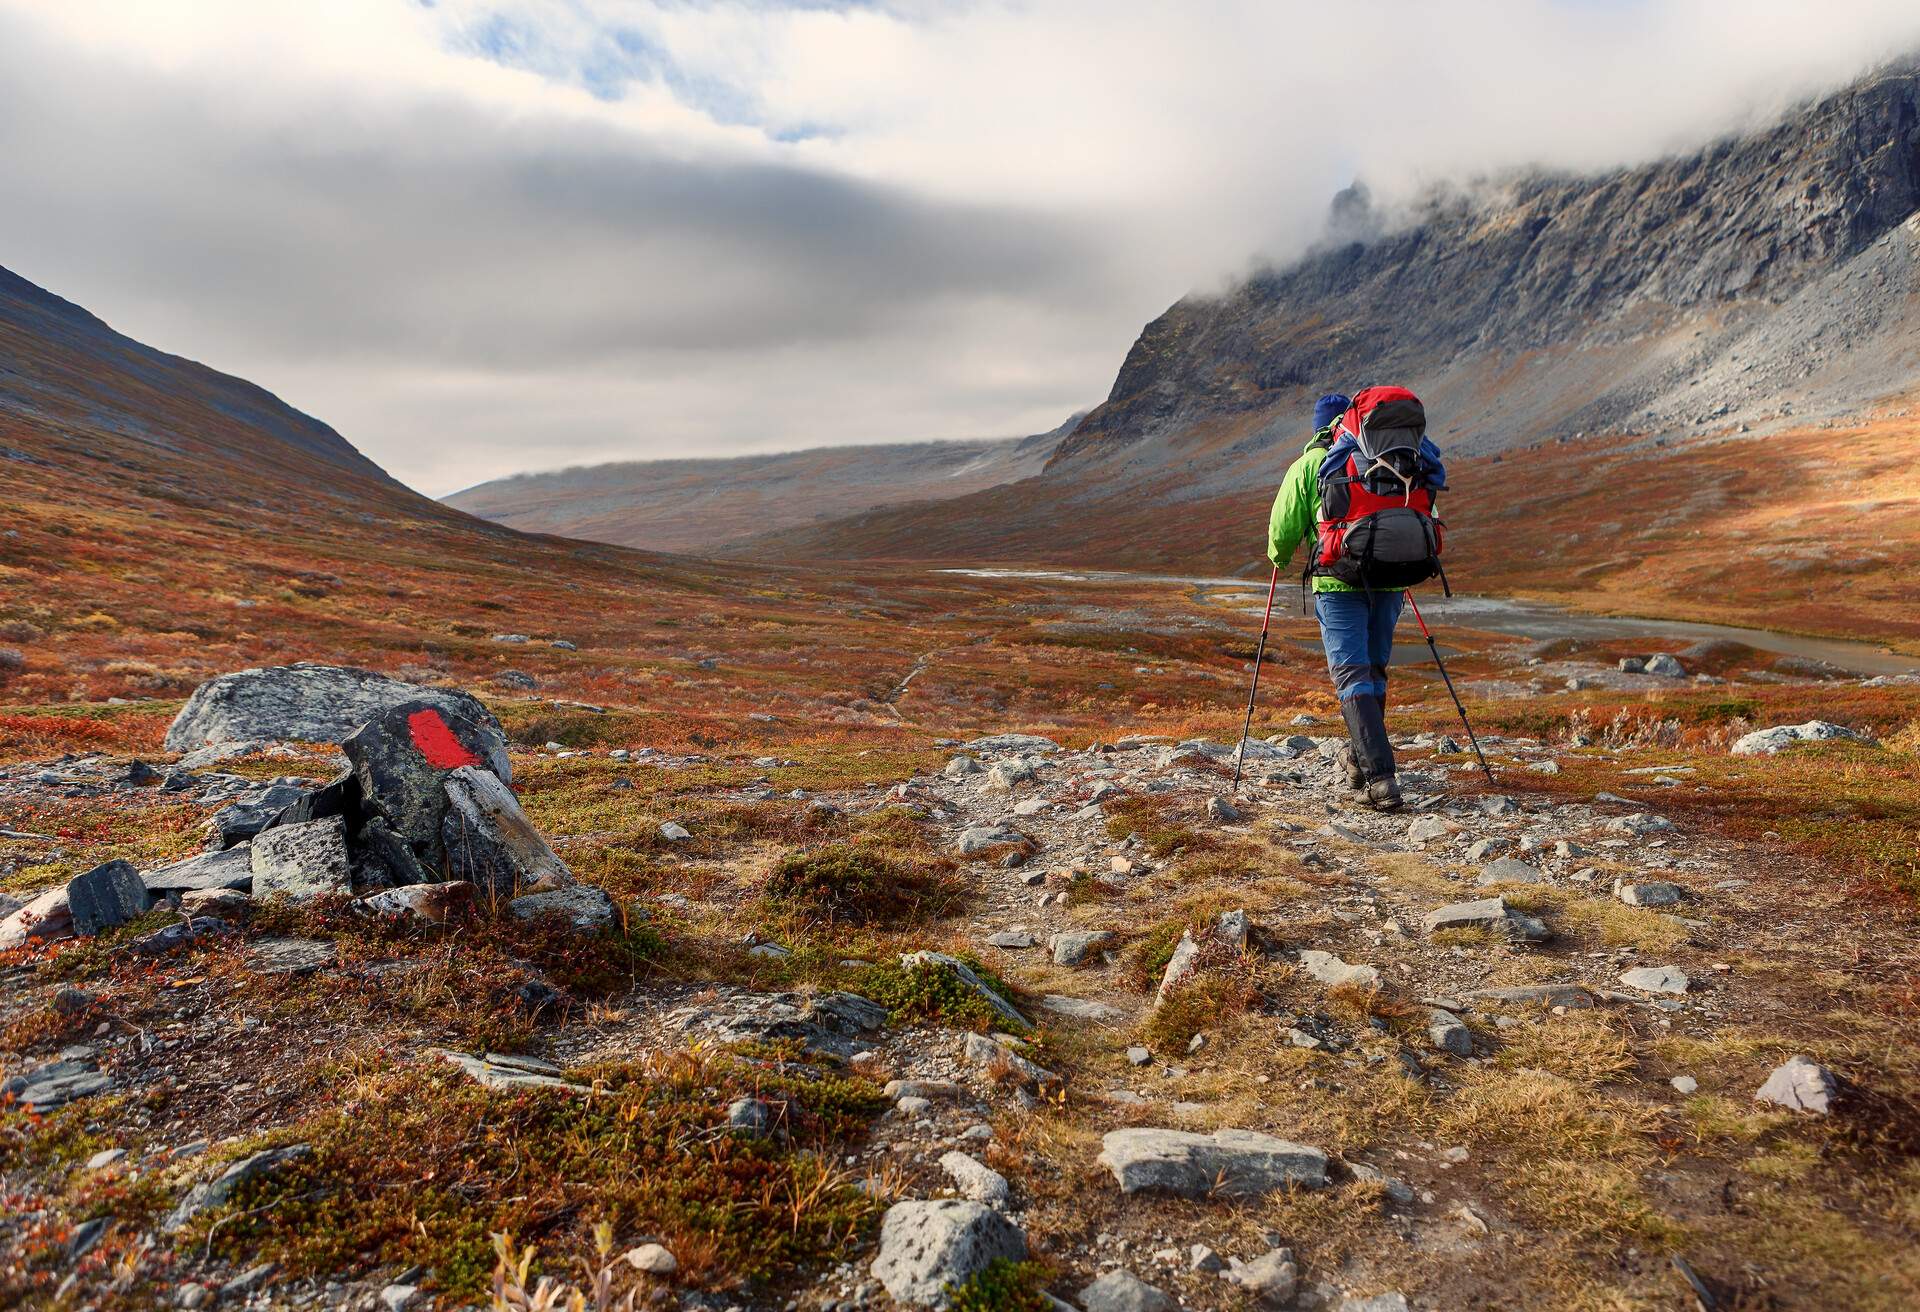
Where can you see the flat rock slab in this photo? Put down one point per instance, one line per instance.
(1013, 742)
(1333, 972)
(975, 1179)
(583, 906)
(290, 956)
(1082, 1009)
(1230, 1163)
(1767, 742)
(1487, 913)
(55, 1085)
(231, 868)
(1180, 966)
(979, 838)
(1119, 1290)
(504, 1071)
(994, 1057)
(301, 862)
(1654, 893)
(1571, 996)
(1801, 1084)
(490, 842)
(1072, 947)
(314, 703)
(1508, 870)
(434, 903)
(929, 1244)
(1656, 979)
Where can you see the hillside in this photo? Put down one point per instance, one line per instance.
(700, 506)
(809, 981)
(1765, 284)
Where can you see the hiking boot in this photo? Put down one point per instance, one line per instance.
(1344, 758)
(1372, 753)
(1384, 794)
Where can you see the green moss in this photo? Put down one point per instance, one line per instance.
(841, 884)
(934, 993)
(1002, 1286)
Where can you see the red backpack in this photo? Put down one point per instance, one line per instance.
(1377, 486)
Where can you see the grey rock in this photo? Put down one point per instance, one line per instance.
(1204, 1259)
(1119, 1290)
(290, 956)
(1394, 1301)
(1138, 1056)
(1014, 742)
(979, 838)
(398, 1298)
(1185, 959)
(1665, 666)
(301, 862)
(55, 1085)
(226, 903)
(313, 703)
(1222, 811)
(437, 904)
(1333, 972)
(498, 1070)
(1072, 947)
(230, 868)
(1571, 996)
(1082, 1009)
(1654, 893)
(584, 906)
(976, 1180)
(1768, 742)
(1487, 847)
(489, 841)
(1639, 823)
(1430, 828)
(1656, 979)
(254, 810)
(962, 766)
(1632, 665)
(1272, 1278)
(1011, 939)
(106, 897)
(1005, 776)
(1486, 913)
(46, 917)
(1508, 870)
(1231, 930)
(966, 975)
(213, 1193)
(848, 1013)
(1230, 1163)
(750, 1116)
(929, 1244)
(1800, 1084)
(984, 1053)
(1448, 1034)
(675, 832)
(652, 1259)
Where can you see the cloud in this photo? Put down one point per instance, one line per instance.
(488, 235)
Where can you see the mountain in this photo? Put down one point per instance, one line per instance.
(703, 505)
(62, 369)
(1765, 283)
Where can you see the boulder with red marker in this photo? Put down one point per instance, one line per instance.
(401, 760)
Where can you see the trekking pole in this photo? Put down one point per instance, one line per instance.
(1259, 654)
(1428, 634)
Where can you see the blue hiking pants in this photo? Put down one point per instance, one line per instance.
(1357, 630)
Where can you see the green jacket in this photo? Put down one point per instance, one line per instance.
(1296, 515)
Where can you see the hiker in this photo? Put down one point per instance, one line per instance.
(1363, 493)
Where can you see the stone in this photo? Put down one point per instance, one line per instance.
(1508, 870)
(1430, 828)
(400, 760)
(976, 1180)
(911, 1105)
(316, 704)
(933, 1090)
(437, 904)
(1632, 665)
(252, 811)
(846, 1013)
(231, 868)
(1768, 742)
(1639, 823)
(1685, 1085)
(1223, 811)
(1072, 947)
(1204, 1259)
(301, 862)
(1005, 776)
(1185, 959)
(966, 975)
(106, 897)
(751, 1116)
(1032, 806)
(398, 1298)
(1655, 893)
(1231, 930)
(1119, 1290)
(1082, 1009)
(994, 1057)
(1665, 666)
(928, 1244)
(1487, 847)
(498, 1070)
(675, 832)
(1447, 1033)
(1271, 1278)
(243, 1285)
(1333, 972)
(106, 1157)
(1393, 1301)
(1011, 939)
(490, 843)
(979, 838)
(1227, 1163)
(54, 1085)
(582, 905)
(46, 917)
(1800, 1084)
(1014, 742)
(1137, 1056)
(290, 956)
(1572, 996)
(652, 1260)
(212, 1193)
(1656, 979)
(962, 766)
(1486, 913)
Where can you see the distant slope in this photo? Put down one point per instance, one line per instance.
(1762, 283)
(61, 367)
(704, 505)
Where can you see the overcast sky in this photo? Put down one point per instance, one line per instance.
(482, 237)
